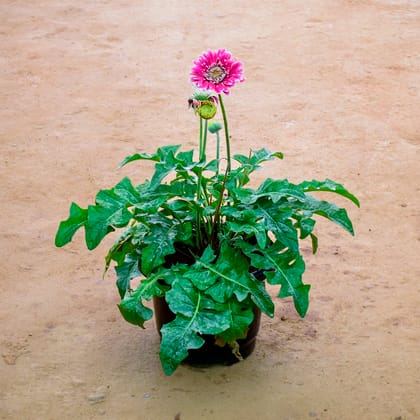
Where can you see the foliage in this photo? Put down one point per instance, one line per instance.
(221, 236)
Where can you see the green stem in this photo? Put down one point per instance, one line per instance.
(198, 217)
(200, 149)
(216, 218)
(204, 140)
(217, 152)
(226, 127)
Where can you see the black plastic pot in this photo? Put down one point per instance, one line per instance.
(210, 353)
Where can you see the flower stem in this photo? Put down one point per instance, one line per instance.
(204, 140)
(216, 218)
(200, 149)
(199, 180)
(217, 152)
(226, 127)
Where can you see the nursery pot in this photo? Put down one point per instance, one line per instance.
(210, 353)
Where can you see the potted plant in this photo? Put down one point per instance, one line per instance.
(198, 239)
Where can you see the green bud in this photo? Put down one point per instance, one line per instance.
(207, 109)
(214, 127)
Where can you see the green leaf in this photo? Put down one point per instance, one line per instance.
(327, 210)
(177, 339)
(161, 171)
(154, 285)
(249, 164)
(121, 247)
(284, 267)
(246, 220)
(102, 219)
(256, 157)
(139, 156)
(290, 279)
(207, 316)
(276, 220)
(242, 159)
(133, 310)
(126, 192)
(278, 189)
(306, 226)
(196, 314)
(109, 212)
(150, 204)
(131, 306)
(314, 240)
(242, 315)
(278, 155)
(69, 227)
(167, 163)
(200, 277)
(232, 268)
(329, 186)
(158, 243)
(263, 155)
(212, 165)
(156, 157)
(127, 271)
(275, 190)
(208, 255)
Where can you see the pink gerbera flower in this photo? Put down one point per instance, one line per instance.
(217, 71)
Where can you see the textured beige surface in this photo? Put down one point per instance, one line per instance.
(333, 84)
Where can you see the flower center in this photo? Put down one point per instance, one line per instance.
(215, 74)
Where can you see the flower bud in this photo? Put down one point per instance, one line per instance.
(207, 109)
(214, 127)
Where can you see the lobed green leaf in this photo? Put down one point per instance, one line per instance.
(109, 212)
(177, 338)
(67, 228)
(195, 314)
(133, 310)
(232, 269)
(158, 156)
(241, 317)
(284, 267)
(327, 210)
(127, 271)
(329, 186)
(159, 242)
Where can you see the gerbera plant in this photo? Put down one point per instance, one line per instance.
(198, 238)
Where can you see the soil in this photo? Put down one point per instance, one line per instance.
(333, 84)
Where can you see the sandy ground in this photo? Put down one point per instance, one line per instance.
(334, 84)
